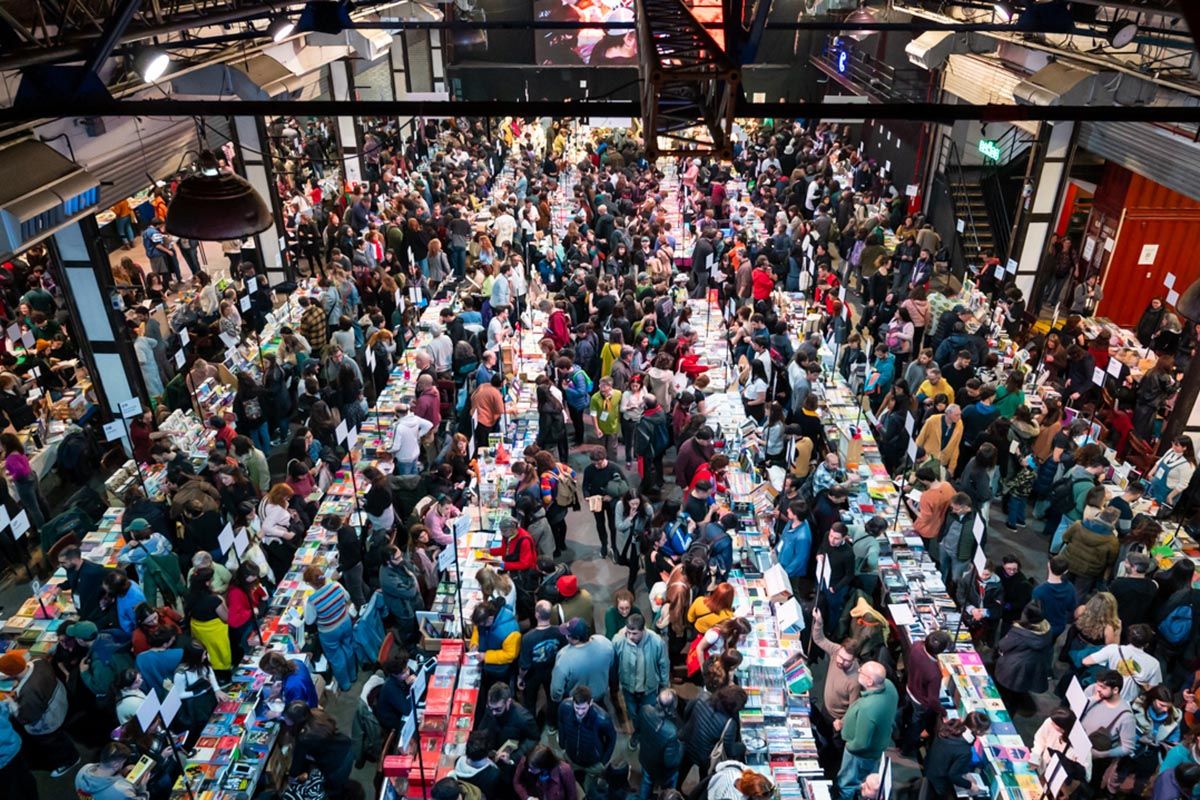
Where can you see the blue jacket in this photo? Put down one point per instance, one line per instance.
(578, 390)
(886, 367)
(795, 546)
(492, 638)
(589, 740)
(10, 740)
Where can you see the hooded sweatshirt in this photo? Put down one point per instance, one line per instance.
(486, 776)
(90, 784)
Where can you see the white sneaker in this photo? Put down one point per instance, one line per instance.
(58, 773)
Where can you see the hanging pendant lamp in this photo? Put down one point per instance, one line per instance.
(212, 205)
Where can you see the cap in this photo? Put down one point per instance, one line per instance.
(960, 309)
(139, 524)
(83, 630)
(568, 585)
(13, 663)
(681, 278)
(577, 629)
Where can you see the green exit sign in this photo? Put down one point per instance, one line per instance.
(989, 149)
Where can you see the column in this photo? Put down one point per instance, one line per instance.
(1052, 176)
(398, 62)
(105, 344)
(254, 163)
(341, 76)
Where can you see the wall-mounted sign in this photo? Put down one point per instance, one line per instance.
(989, 149)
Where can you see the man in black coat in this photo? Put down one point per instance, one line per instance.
(85, 579)
(660, 751)
(505, 719)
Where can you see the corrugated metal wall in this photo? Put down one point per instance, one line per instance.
(1154, 215)
(1148, 150)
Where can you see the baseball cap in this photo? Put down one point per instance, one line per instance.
(139, 524)
(577, 629)
(83, 630)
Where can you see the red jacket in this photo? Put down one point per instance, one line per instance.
(559, 328)
(763, 282)
(519, 552)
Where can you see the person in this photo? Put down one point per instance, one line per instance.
(795, 547)
(923, 689)
(401, 593)
(104, 779)
(642, 667)
(291, 678)
(209, 617)
(951, 754)
(497, 635)
(198, 691)
(617, 615)
(1108, 720)
(1023, 660)
(1139, 669)
(39, 704)
(1057, 598)
(842, 686)
(941, 437)
(1053, 737)
(1091, 547)
(85, 579)
(539, 647)
(507, 720)
(957, 543)
(586, 735)
(1172, 472)
(24, 479)
(14, 768)
(450, 787)
(659, 745)
(574, 603)
(710, 721)
(866, 728)
(542, 775)
(603, 483)
(476, 767)
(330, 611)
(128, 596)
(319, 745)
(1135, 590)
(587, 659)
(605, 407)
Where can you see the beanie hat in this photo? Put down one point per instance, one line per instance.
(13, 663)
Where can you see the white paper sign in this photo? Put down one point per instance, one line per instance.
(980, 561)
(901, 614)
(1076, 699)
(789, 614)
(341, 431)
(445, 559)
(1109, 244)
(960, 225)
(909, 423)
(113, 431)
(912, 451)
(1148, 254)
(369, 357)
(980, 529)
(148, 710)
(407, 732)
(1172, 297)
(241, 542)
(20, 524)
(244, 304)
(887, 165)
(225, 539)
(27, 339)
(14, 332)
(130, 408)
(251, 286)
(351, 438)
(911, 190)
(180, 359)
(1169, 281)
(184, 336)
(5, 520)
(172, 703)
(1114, 367)
(1089, 247)
(1081, 743)
(1012, 266)
(1097, 376)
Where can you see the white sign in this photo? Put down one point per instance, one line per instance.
(14, 332)
(789, 614)
(241, 542)
(351, 438)
(20, 524)
(1169, 281)
(1076, 699)
(340, 431)
(980, 529)
(1098, 376)
(245, 303)
(27, 339)
(960, 225)
(5, 520)
(980, 561)
(1012, 266)
(251, 286)
(180, 359)
(147, 710)
(1148, 254)
(887, 165)
(1109, 244)
(910, 423)
(184, 336)
(130, 408)
(1089, 247)
(406, 733)
(912, 451)
(911, 190)
(113, 431)
(172, 703)
(1172, 297)
(225, 539)
(445, 559)
(1114, 367)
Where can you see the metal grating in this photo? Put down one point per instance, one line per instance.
(1149, 150)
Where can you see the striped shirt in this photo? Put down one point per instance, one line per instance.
(327, 607)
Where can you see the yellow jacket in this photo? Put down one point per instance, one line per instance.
(930, 440)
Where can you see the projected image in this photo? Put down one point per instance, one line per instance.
(592, 46)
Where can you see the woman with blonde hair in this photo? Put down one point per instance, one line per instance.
(275, 517)
(382, 345)
(439, 263)
(1097, 623)
(497, 584)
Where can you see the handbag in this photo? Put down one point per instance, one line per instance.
(1102, 739)
(617, 487)
(718, 754)
(310, 787)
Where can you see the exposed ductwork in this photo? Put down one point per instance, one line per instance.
(931, 49)
(1058, 84)
(42, 192)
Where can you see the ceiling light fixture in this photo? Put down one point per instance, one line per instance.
(1121, 32)
(150, 63)
(280, 28)
(211, 205)
(860, 15)
(1004, 11)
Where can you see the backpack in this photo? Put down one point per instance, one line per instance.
(252, 410)
(566, 490)
(1176, 627)
(1062, 492)
(587, 379)
(679, 539)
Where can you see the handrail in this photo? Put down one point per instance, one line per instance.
(955, 161)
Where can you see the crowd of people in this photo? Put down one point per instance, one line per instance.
(465, 214)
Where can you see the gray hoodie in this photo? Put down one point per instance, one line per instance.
(91, 785)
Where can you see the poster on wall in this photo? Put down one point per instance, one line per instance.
(1148, 254)
(590, 46)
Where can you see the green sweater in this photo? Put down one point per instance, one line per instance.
(867, 726)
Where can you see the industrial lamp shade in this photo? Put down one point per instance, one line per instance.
(1188, 304)
(212, 205)
(859, 15)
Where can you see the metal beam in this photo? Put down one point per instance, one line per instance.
(925, 112)
(112, 34)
